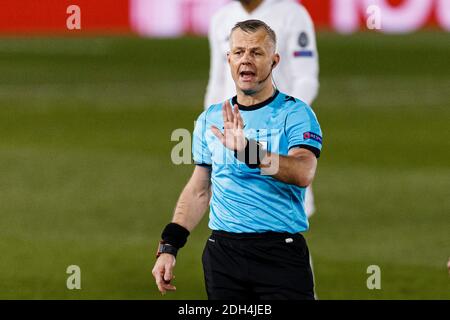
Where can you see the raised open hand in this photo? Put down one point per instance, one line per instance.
(233, 136)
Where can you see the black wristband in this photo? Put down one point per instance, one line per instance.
(175, 235)
(252, 154)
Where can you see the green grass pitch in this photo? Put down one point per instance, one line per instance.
(86, 176)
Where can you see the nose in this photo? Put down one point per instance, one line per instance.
(246, 58)
(246, 54)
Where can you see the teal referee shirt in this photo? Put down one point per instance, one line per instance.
(243, 200)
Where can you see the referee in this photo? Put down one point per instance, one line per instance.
(255, 155)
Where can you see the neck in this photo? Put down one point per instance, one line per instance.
(250, 6)
(246, 99)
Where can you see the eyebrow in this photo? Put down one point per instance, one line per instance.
(252, 48)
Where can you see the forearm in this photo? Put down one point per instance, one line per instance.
(297, 170)
(191, 206)
(189, 210)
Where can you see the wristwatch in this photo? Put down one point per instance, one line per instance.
(166, 248)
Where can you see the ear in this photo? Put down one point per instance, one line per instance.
(228, 57)
(276, 60)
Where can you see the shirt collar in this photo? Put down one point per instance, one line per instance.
(254, 106)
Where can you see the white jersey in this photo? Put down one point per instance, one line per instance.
(298, 70)
(296, 74)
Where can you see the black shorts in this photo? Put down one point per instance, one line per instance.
(260, 266)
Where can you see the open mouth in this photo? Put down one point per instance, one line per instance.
(246, 75)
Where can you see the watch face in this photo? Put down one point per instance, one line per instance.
(158, 250)
(166, 248)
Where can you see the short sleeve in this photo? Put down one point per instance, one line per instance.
(200, 151)
(303, 130)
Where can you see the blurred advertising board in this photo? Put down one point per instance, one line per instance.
(167, 18)
(55, 16)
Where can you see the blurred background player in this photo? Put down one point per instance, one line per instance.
(297, 74)
(448, 266)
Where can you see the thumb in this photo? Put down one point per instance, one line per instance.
(217, 133)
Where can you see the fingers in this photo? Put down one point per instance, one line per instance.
(158, 279)
(237, 115)
(235, 120)
(163, 286)
(168, 274)
(227, 112)
(233, 125)
(162, 273)
(224, 112)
